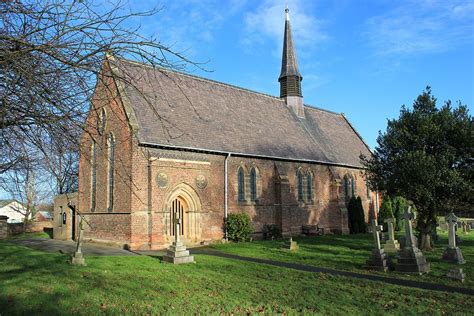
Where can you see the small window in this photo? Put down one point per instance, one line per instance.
(64, 218)
(309, 186)
(253, 185)
(299, 184)
(241, 184)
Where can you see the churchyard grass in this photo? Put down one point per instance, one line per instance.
(34, 282)
(350, 252)
(34, 235)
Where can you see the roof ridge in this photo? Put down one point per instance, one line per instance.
(202, 79)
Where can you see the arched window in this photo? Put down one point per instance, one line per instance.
(241, 184)
(299, 184)
(110, 173)
(101, 121)
(309, 186)
(64, 218)
(353, 186)
(93, 175)
(347, 187)
(368, 189)
(253, 184)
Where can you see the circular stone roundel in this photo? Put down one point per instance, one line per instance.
(201, 181)
(162, 180)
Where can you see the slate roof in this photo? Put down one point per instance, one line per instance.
(181, 110)
(6, 202)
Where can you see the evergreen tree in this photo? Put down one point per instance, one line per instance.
(399, 204)
(426, 156)
(386, 211)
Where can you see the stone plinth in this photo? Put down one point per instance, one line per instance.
(177, 254)
(377, 260)
(412, 260)
(453, 255)
(456, 274)
(391, 246)
(3, 227)
(292, 245)
(78, 259)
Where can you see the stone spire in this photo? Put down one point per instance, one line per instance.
(290, 77)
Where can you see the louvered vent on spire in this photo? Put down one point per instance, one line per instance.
(290, 77)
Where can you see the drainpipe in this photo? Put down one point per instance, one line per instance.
(226, 190)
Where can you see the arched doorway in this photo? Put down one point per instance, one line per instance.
(184, 201)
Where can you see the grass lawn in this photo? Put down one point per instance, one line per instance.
(35, 235)
(350, 252)
(33, 282)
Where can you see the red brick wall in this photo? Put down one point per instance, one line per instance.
(116, 123)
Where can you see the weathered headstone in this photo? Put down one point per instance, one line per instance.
(391, 245)
(78, 257)
(177, 253)
(452, 253)
(456, 274)
(292, 245)
(378, 257)
(3, 227)
(411, 259)
(463, 225)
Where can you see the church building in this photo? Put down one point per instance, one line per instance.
(161, 144)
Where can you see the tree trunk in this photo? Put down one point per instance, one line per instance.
(425, 244)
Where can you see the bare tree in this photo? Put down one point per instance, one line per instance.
(51, 56)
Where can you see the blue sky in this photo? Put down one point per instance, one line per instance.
(364, 58)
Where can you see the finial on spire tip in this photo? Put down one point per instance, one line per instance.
(287, 14)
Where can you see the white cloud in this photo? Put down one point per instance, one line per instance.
(416, 27)
(267, 22)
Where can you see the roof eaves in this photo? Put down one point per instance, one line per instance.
(219, 152)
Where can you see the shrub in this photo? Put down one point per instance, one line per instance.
(360, 216)
(271, 231)
(399, 204)
(385, 212)
(238, 226)
(356, 216)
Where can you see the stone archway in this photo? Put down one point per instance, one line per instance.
(184, 200)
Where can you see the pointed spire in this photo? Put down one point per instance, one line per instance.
(290, 77)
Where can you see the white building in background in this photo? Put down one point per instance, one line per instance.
(14, 210)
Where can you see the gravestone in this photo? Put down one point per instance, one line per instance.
(3, 227)
(292, 245)
(452, 253)
(463, 225)
(177, 253)
(468, 228)
(391, 245)
(456, 274)
(78, 257)
(411, 259)
(378, 257)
